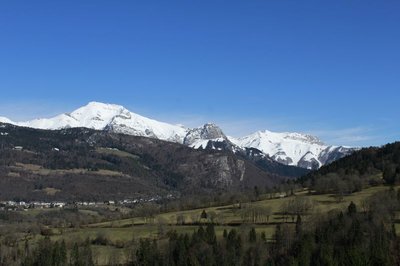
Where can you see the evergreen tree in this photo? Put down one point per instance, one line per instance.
(389, 174)
(201, 233)
(28, 258)
(256, 192)
(225, 234)
(251, 257)
(263, 237)
(146, 253)
(203, 215)
(252, 235)
(86, 254)
(75, 258)
(352, 209)
(304, 249)
(210, 234)
(56, 254)
(278, 239)
(181, 252)
(298, 225)
(63, 254)
(238, 246)
(44, 253)
(233, 247)
(398, 194)
(380, 248)
(26, 248)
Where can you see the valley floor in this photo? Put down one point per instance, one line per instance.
(113, 239)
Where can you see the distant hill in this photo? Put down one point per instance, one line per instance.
(86, 164)
(369, 166)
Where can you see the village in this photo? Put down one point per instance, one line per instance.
(11, 205)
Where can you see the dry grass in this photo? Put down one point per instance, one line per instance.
(13, 174)
(51, 191)
(39, 170)
(230, 214)
(116, 153)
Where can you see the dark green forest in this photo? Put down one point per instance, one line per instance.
(367, 167)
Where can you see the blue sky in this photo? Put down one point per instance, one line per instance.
(330, 68)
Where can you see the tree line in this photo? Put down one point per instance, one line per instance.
(367, 167)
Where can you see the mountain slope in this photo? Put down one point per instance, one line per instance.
(86, 164)
(267, 164)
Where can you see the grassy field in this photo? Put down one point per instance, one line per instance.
(121, 233)
(116, 153)
(39, 170)
(230, 214)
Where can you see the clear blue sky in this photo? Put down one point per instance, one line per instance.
(330, 68)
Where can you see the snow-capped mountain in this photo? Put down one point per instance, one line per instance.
(110, 117)
(294, 149)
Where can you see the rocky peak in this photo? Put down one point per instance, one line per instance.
(209, 131)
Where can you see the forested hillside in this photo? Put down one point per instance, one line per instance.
(369, 166)
(84, 164)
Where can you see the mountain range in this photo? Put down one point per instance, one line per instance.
(86, 164)
(293, 149)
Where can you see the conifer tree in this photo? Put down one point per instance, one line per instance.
(203, 215)
(225, 234)
(63, 253)
(86, 254)
(352, 209)
(210, 234)
(252, 235)
(75, 258)
(298, 225)
(263, 237)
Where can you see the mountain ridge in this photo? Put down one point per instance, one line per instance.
(289, 148)
(87, 164)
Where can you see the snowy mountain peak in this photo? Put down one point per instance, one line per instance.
(290, 136)
(99, 108)
(98, 115)
(112, 117)
(296, 149)
(94, 115)
(5, 120)
(304, 137)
